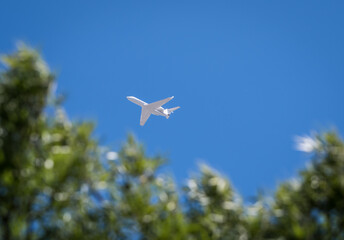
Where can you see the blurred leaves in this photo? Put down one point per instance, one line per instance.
(56, 182)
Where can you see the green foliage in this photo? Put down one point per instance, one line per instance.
(44, 160)
(56, 182)
(312, 206)
(213, 211)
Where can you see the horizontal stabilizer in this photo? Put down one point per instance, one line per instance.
(171, 110)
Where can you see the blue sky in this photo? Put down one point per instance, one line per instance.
(248, 75)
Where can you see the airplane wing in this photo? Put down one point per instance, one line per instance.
(136, 101)
(144, 116)
(160, 103)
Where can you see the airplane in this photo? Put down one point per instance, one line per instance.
(152, 108)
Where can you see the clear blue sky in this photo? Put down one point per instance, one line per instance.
(249, 76)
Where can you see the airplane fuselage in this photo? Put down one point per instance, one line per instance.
(160, 112)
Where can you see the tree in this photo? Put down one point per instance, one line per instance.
(57, 182)
(44, 160)
(311, 206)
(213, 209)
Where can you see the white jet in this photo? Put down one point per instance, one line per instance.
(152, 108)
